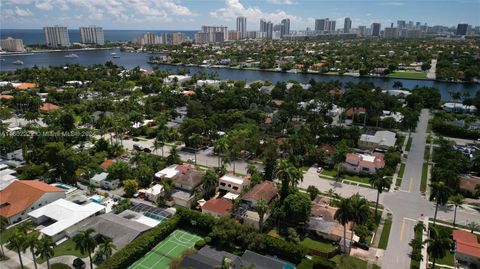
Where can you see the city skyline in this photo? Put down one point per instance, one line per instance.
(190, 15)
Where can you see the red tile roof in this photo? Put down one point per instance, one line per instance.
(20, 194)
(106, 163)
(469, 183)
(220, 206)
(354, 110)
(265, 190)
(328, 149)
(26, 86)
(6, 96)
(352, 158)
(48, 107)
(466, 243)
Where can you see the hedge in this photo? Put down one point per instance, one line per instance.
(317, 262)
(140, 246)
(454, 131)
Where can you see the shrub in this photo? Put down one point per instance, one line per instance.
(200, 244)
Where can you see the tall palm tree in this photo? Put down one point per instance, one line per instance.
(439, 193)
(85, 242)
(45, 249)
(457, 200)
(159, 142)
(17, 242)
(3, 227)
(220, 147)
(379, 182)
(173, 157)
(360, 212)
(261, 208)
(107, 247)
(31, 242)
(210, 182)
(438, 245)
(343, 215)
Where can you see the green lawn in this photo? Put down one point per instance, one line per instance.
(60, 266)
(449, 259)
(401, 171)
(374, 266)
(66, 248)
(426, 154)
(331, 173)
(357, 179)
(423, 183)
(320, 245)
(385, 233)
(409, 144)
(349, 262)
(413, 75)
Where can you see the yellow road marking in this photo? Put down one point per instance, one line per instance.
(410, 185)
(402, 229)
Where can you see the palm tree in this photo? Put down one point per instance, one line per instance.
(437, 245)
(107, 247)
(3, 227)
(343, 215)
(31, 242)
(210, 182)
(440, 193)
(456, 200)
(221, 147)
(360, 212)
(261, 208)
(173, 157)
(17, 242)
(379, 182)
(159, 143)
(45, 249)
(85, 242)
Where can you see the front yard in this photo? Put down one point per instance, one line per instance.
(66, 248)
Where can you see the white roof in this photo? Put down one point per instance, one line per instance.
(100, 177)
(154, 190)
(65, 213)
(7, 171)
(3, 166)
(368, 158)
(230, 196)
(6, 180)
(168, 172)
(147, 221)
(384, 138)
(232, 179)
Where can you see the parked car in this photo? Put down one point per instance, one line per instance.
(137, 147)
(147, 150)
(78, 264)
(190, 160)
(361, 245)
(319, 170)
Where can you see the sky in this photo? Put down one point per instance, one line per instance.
(191, 14)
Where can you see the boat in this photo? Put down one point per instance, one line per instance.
(18, 62)
(116, 56)
(113, 53)
(73, 55)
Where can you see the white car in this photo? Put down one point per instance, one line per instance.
(319, 170)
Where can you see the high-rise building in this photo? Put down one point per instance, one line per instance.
(331, 26)
(285, 27)
(362, 30)
(414, 33)
(242, 27)
(211, 34)
(410, 25)
(12, 44)
(263, 25)
(376, 29)
(269, 30)
(148, 38)
(401, 24)
(347, 25)
(56, 36)
(92, 35)
(391, 32)
(321, 25)
(462, 29)
(234, 35)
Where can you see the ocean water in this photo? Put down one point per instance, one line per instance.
(36, 36)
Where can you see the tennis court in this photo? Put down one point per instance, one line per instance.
(167, 250)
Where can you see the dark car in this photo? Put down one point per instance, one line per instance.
(137, 147)
(78, 264)
(361, 245)
(147, 150)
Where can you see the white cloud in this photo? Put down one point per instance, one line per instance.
(282, 2)
(23, 12)
(233, 9)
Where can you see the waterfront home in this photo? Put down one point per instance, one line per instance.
(364, 163)
(22, 196)
(459, 108)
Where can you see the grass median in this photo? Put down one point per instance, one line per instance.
(383, 243)
(401, 171)
(423, 183)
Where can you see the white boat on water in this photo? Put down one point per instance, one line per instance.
(116, 56)
(17, 62)
(73, 55)
(113, 53)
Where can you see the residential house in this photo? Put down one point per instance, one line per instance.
(380, 139)
(366, 163)
(468, 249)
(266, 191)
(176, 78)
(167, 173)
(217, 207)
(232, 184)
(47, 107)
(208, 258)
(459, 108)
(322, 220)
(63, 218)
(121, 230)
(23, 196)
(189, 178)
(152, 193)
(101, 181)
